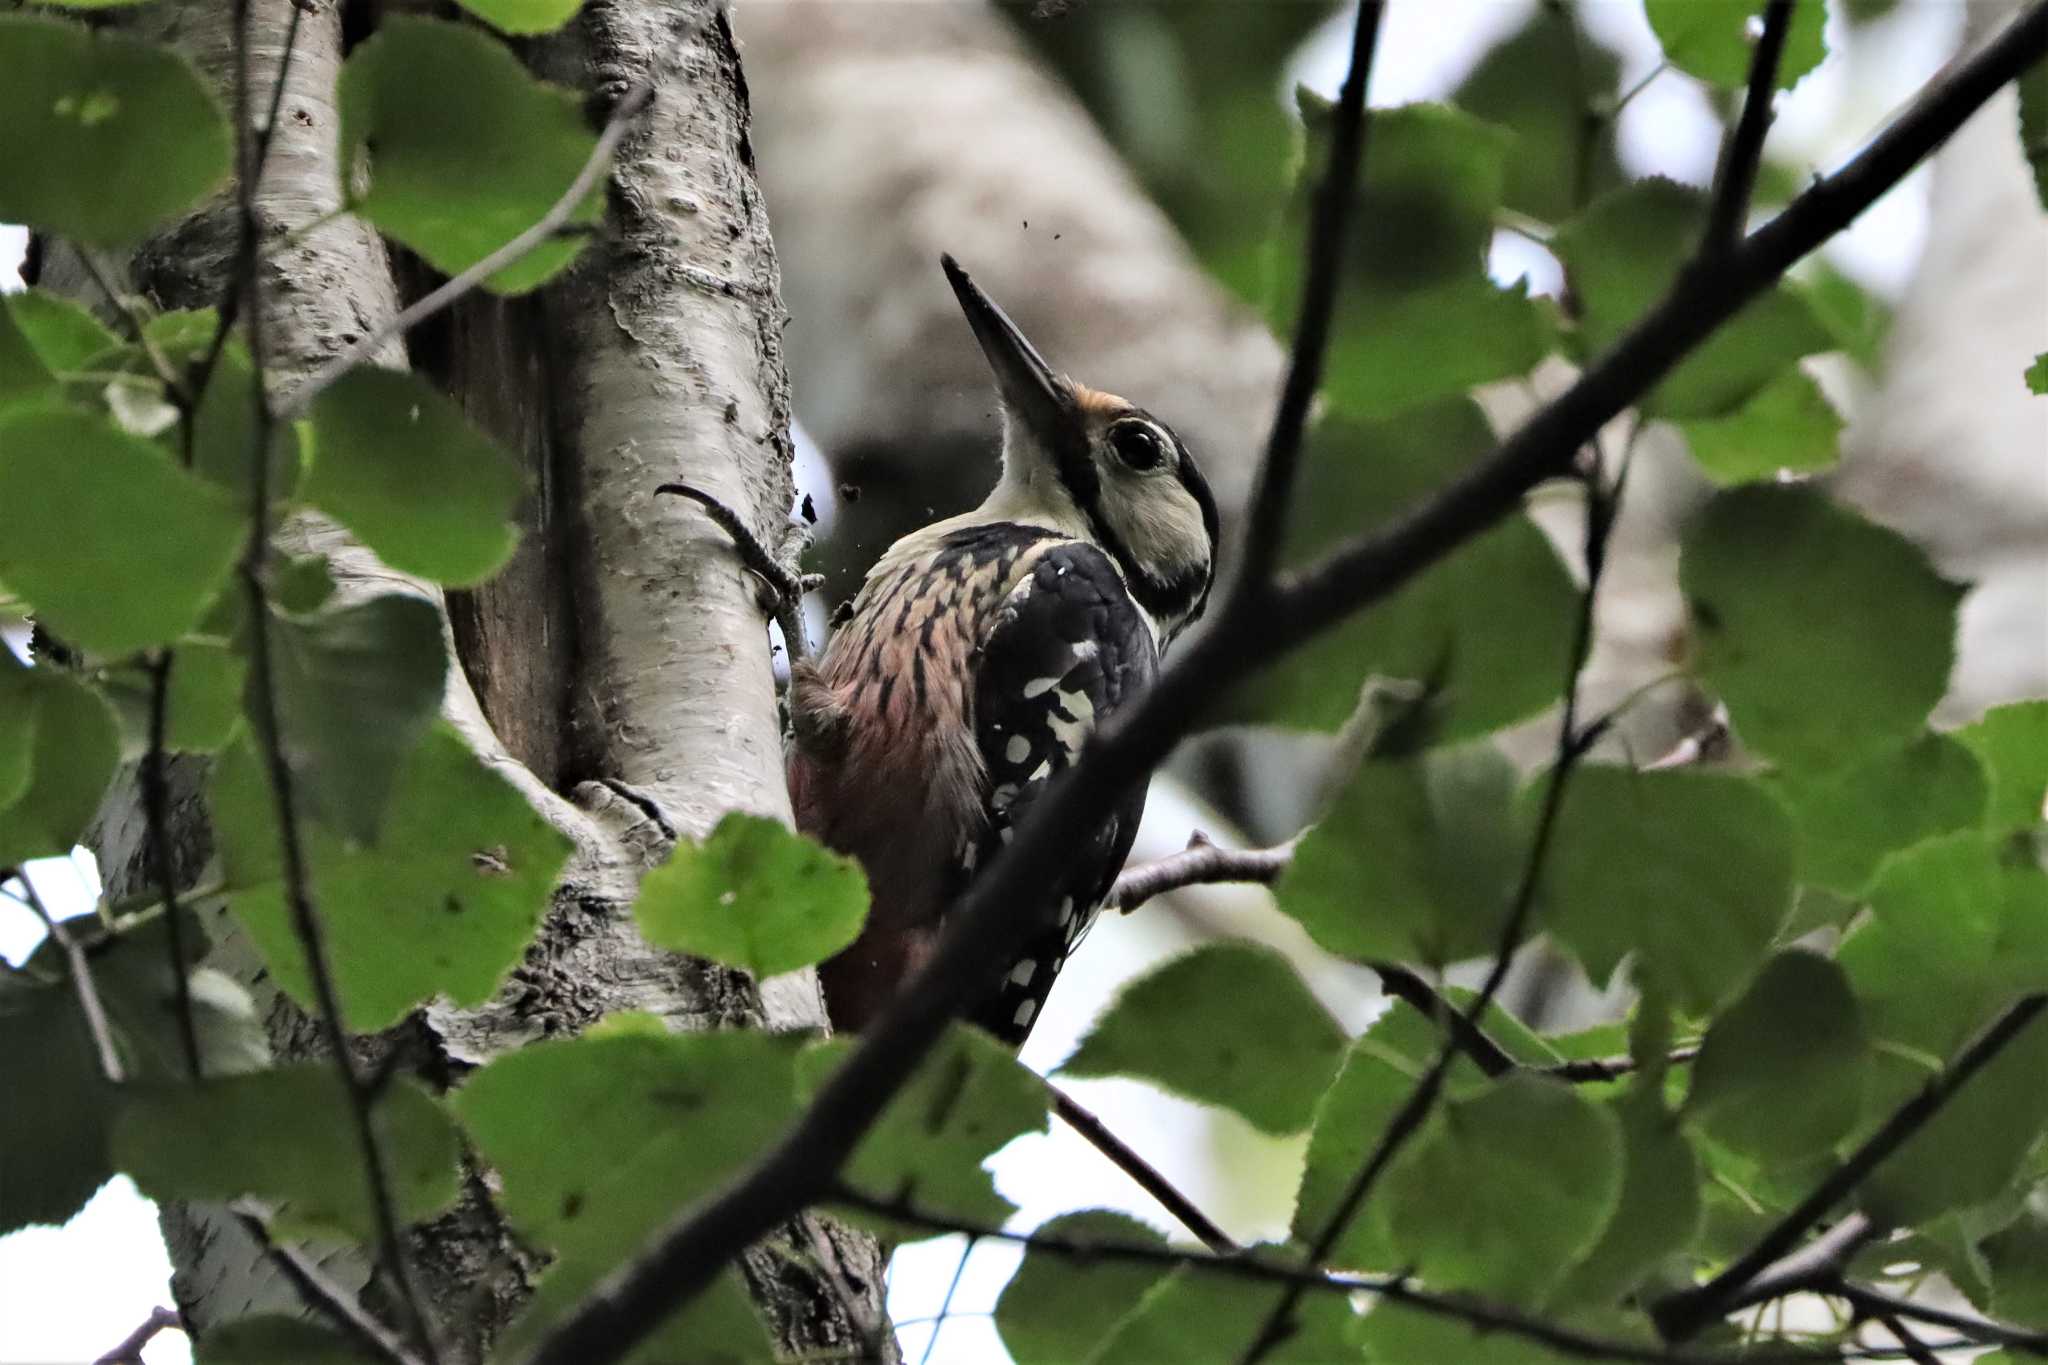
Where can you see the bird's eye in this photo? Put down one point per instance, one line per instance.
(1137, 445)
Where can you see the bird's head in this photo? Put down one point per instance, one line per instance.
(1079, 455)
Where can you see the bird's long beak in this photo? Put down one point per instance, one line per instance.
(1030, 388)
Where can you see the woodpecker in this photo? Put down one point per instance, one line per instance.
(976, 658)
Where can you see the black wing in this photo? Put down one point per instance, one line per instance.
(1066, 650)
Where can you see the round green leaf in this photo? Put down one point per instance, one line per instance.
(1827, 636)
(1505, 1190)
(1783, 1071)
(2012, 743)
(17, 727)
(1415, 862)
(1265, 1049)
(266, 1338)
(1194, 1318)
(1786, 426)
(1056, 1308)
(62, 333)
(755, 896)
(1852, 817)
(75, 748)
(464, 149)
(114, 545)
(443, 904)
(288, 1135)
(103, 136)
(23, 375)
(397, 463)
(1659, 1210)
(53, 1129)
(1691, 872)
(1711, 39)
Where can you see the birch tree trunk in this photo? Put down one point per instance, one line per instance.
(623, 645)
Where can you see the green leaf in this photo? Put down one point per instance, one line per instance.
(400, 466)
(1858, 320)
(1849, 818)
(969, 1098)
(287, 1135)
(53, 1150)
(1503, 1191)
(1623, 253)
(76, 748)
(1193, 1318)
(1659, 1210)
(2017, 1258)
(270, 1337)
(203, 706)
(464, 149)
(2037, 374)
(524, 16)
(1971, 1150)
(1536, 84)
(1826, 636)
(1965, 909)
(1435, 344)
(599, 1140)
(1486, 629)
(62, 332)
(1415, 862)
(1788, 426)
(1058, 1308)
(23, 376)
(443, 904)
(1266, 1049)
(1395, 1334)
(1691, 872)
(115, 545)
(1434, 179)
(17, 727)
(755, 896)
(2012, 743)
(2033, 109)
(1783, 1072)
(1710, 39)
(357, 687)
(224, 428)
(85, 110)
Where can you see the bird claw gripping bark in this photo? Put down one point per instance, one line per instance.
(783, 587)
(632, 815)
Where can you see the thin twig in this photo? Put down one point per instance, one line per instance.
(786, 588)
(1273, 487)
(1735, 179)
(946, 1304)
(322, 1295)
(1200, 863)
(294, 403)
(1147, 1176)
(1875, 1303)
(263, 702)
(1812, 1264)
(1916, 1350)
(1478, 1314)
(89, 1003)
(1415, 1110)
(984, 932)
(129, 1352)
(1593, 1069)
(157, 359)
(156, 818)
(1683, 1315)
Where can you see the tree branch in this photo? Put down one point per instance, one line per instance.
(294, 403)
(1683, 1315)
(1735, 179)
(322, 1295)
(1273, 486)
(156, 814)
(1127, 1160)
(89, 1003)
(1200, 863)
(1874, 1303)
(129, 1351)
(984, 928)
(1479, 1315)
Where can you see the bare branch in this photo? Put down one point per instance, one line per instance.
(1735, 179)
(1685, 1314)
(1478, 1314)
(1148, 1177)
(1200, 863)
(1594, 1069)
(786, 588)
(1874, 1303)
(1273, 487)
(985, 929)
(1815, 1264)
(321, 1294)
(156, 814)
(129, 1351)
(263, 706)
(89, 1003)
(544, 228)
(1916, 1350)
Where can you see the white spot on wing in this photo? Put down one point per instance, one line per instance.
(1021, 974)
(1025, 1011)
(1038, 687)
(1018, 749)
